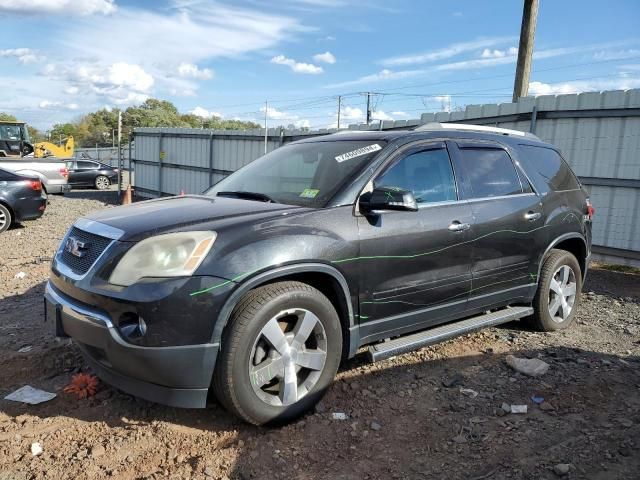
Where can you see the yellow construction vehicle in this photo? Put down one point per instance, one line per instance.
(14, 141)
(48, 149)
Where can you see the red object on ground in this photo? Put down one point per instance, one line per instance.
(83, 385)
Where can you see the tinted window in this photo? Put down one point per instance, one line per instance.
(87, 165)
(7, 176)
(490, 172)
(553, 171)
(428, 174)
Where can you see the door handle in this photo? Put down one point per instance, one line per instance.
(531, 216)
(456, 226)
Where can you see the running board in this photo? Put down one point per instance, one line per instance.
(435, 335)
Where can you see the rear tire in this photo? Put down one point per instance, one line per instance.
(280, 353)
(5, 218)
(558, 294)
(102, 183)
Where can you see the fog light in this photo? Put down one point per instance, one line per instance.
(132, 326)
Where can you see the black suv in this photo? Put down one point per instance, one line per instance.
(258, 288)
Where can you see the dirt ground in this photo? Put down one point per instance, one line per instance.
(435, 413)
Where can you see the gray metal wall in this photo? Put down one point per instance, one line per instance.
(598, 134)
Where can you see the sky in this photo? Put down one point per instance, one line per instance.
(60, 59)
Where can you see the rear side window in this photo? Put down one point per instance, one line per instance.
(552, 171)
(6, 176)
(87, 165)
(490, 172)
(428, 174)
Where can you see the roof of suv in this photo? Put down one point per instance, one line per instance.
(436, 130)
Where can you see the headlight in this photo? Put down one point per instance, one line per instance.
(170, 255)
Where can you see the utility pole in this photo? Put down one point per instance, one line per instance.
(525, 49)
(120, 161)
(339, 107)
(266, 109)
(368, 107)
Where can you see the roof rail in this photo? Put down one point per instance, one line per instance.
(475, 128)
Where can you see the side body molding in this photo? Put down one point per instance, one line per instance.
(279, 272)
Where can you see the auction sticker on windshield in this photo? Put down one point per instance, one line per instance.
(309, 193)
(359, 152)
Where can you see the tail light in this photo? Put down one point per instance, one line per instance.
(590, 210)
(35, 184)
(64, 171)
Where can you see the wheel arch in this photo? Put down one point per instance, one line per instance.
(325, 278)
(6, 205)
(573, 243)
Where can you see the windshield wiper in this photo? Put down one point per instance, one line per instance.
(248, 196)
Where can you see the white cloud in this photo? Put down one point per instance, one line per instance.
(275, 114)
(381, 115)
(192, 31)
(191, 70)
(119, 83)
(326, 57)
(446, 52)
(47, 104)
(24, 55)
(304, 123)
(123, 74)
(504, 57)
(297, 67)
(382, 75)
(400, 114)
(204, 113)
(578, 86)
(443, 101)
(497, 53)
(72, 90)
(66, 7)
(351, 113)
(616, 54)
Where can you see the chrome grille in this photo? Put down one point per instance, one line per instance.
(95, 245)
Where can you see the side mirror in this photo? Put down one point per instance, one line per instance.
(388, 198)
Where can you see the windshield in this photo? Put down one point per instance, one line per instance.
(304, 174)
(10, 132)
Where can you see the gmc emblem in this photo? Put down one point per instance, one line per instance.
(76, 248)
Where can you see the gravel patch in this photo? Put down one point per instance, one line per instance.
(409, 417)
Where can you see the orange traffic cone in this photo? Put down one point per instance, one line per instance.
(126, 197)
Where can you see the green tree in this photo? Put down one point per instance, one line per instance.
(7, 117)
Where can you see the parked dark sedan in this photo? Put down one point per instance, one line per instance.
(88, 173)
(21, 198)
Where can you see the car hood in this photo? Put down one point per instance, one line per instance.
(163, 215)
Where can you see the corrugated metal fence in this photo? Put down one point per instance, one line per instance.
(598, 134)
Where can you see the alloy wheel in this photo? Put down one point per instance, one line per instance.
(3, 220)
(562, 293)
(288, 357)
(102, 183)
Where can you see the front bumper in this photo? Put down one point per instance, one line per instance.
(175, 375)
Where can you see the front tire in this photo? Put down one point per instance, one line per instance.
(280, 353)
(558, 293)
(5, 218)
(102, 183)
